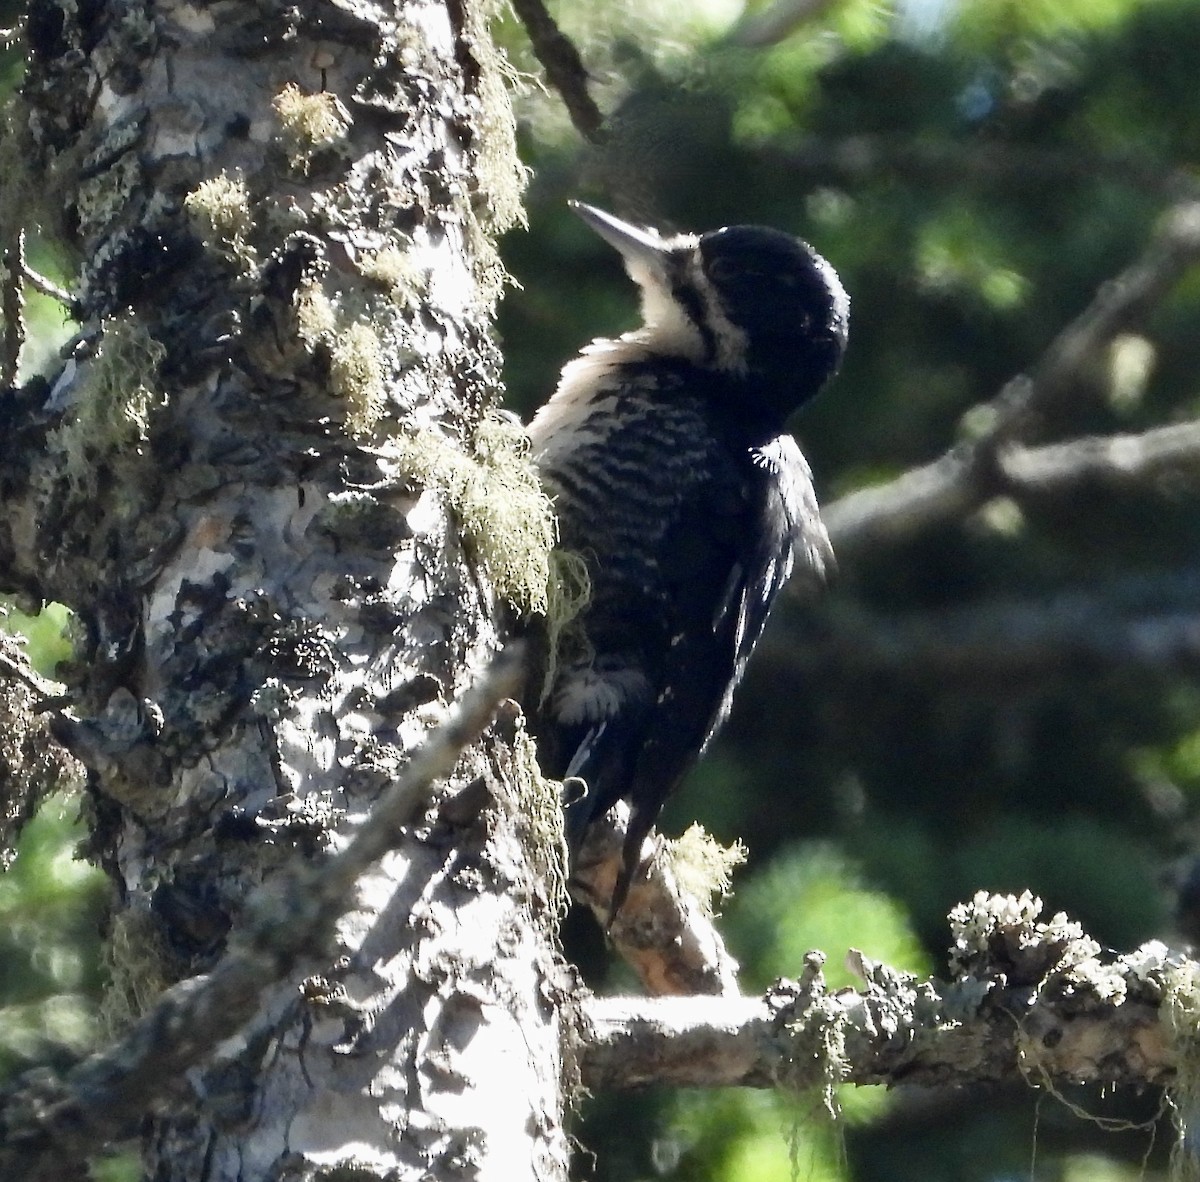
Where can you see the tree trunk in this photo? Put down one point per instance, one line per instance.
(270, 482)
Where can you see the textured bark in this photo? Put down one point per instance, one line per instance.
(247, 481)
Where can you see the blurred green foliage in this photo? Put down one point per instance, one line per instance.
(1008, 701)
(51, 910)
(51, 906)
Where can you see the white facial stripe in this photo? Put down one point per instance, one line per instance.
(729, 341)
(667, 327)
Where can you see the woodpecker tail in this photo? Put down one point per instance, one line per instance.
(640, 824)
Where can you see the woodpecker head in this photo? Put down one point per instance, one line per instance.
(745, 300)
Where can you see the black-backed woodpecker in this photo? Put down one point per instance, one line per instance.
(665, 453)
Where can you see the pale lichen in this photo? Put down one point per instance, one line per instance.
(138, 969)
(540, 819)
(356, 374)
(316, 317)
(500, 177)
(395, 271)
(1180, 1014)
(819, 1021)
(704, 867)
(115, 398)
(220, 210)
(493, 489)
(309, 123)
(99, 198)
(568, 591)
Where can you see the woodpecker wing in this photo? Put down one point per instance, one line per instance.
(748, 528)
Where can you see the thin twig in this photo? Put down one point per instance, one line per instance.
(563, 65)
(47, 287)
(45, 1122)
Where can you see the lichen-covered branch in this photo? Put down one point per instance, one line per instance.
(32, 764)
(664, 932)
(969, 472)
(1025, 999)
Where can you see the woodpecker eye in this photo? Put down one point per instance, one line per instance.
(725, 270)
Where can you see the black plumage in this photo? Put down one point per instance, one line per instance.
(673, 478)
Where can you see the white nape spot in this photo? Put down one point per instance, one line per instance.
(589, 695)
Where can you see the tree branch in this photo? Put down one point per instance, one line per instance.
(45, 1123)
(662, 932)
(1144, 622)
(969, 473)
(563, 65)
(47, 287)
(32, 764)
(1028, 999)
(1120, 460)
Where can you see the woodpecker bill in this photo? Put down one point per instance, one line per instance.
(673, 478)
